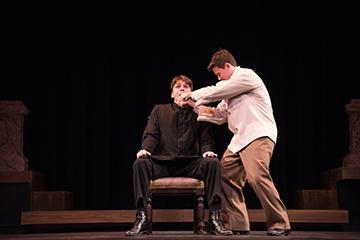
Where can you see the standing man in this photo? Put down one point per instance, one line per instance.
(246, 106)
(174, 143)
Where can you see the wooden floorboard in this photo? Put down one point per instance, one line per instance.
(180, 235)
(170, 215)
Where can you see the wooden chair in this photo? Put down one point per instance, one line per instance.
(180, 186)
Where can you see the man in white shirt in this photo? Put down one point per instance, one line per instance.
(246, 107)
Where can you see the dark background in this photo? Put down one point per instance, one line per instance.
(90, 72)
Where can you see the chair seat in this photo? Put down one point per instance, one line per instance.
(176, 182)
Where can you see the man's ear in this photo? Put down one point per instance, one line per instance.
(172, 94)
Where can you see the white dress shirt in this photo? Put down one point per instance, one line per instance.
(245, 105)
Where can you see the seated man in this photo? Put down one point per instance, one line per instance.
(174, 143)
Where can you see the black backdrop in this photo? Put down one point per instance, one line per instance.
(90, 72)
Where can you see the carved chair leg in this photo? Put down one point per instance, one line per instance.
(149, 211)
(199, 225)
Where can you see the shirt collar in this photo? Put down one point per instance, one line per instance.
(178, 108)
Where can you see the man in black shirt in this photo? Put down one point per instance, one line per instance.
(174, 143)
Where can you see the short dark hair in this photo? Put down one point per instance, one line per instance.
(183, 78)
(221, 57)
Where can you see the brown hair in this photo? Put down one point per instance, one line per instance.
(219, 59)
(181, 77)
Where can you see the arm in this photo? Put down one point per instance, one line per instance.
(206, 137)
(150, 136)
(206, 140)
(242, 80)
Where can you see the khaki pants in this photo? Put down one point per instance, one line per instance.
(251, 164)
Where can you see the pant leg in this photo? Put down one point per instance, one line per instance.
(146, 169)
(142, 174)
(256, 160)
(212, 177)
(233, 207)
(208, 170)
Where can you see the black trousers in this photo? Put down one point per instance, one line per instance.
(206, 169)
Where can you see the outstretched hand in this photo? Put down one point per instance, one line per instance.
(190, 103)
(185, 100)
(185, 96)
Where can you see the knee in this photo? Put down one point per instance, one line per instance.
(254, 179)
(141, 162)
(212, 161)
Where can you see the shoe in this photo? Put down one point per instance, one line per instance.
(241, 232)
(201, 232)
(215, 225)
(141, 225)
(278, 232)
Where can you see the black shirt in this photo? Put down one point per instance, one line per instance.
(173, 132)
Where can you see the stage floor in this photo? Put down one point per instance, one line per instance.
(167, 235)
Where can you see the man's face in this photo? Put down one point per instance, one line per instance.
(223, 73)
(179, 87)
